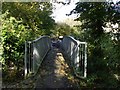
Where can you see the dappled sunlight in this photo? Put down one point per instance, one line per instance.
(55, 72)
(61, 66)
(64, 70)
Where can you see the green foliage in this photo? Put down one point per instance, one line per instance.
(14, 35)
(21, 22)
(36, 16)
(62, 29)
(103, 51)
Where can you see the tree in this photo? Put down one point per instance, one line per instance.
(36, 16)
(22, 22)
(95, 16)
(62, 29)
(14, 34)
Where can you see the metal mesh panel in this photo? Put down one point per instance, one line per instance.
(77, 53)
(35, 54)
(40, 49)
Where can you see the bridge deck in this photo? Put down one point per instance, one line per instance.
(54, 72)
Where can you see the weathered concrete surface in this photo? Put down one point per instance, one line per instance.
(54, 72)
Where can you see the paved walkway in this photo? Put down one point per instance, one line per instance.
(54, 72)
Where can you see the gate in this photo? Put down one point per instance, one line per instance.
(35, 51)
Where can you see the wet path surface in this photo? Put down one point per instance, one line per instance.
(54, 72)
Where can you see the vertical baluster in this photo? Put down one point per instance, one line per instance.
(29, 57)
(85, 64)
(82, 59)
(25, 60)
(77, 65)
(33, 57)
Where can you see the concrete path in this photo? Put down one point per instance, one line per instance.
(54, 72)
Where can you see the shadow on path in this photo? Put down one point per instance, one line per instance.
(54, 72)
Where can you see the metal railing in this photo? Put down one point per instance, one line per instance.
(76, 51)
(35, 52)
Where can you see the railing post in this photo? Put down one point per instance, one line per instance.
(25, 61)
(85, 63)
(29, 45)
(78, 58)
(33, 70)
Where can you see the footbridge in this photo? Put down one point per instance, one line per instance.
(37, 51)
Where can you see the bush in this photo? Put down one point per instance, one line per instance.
(14, 35)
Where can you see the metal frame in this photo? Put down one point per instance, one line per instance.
(84, 57)
(29, 59)
(75, 55)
